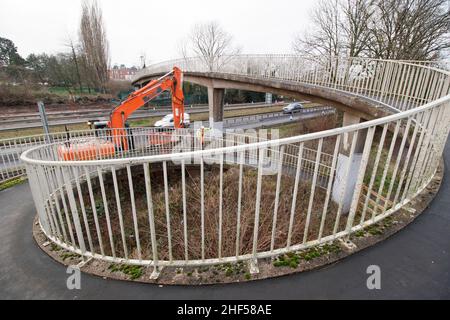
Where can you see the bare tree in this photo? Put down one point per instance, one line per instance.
(389, 29)
(410, 29)
(355, 25)
(94, 44)
(340, 27)
(183, 48)
(326, 37)
(73, 51)
(211, 42)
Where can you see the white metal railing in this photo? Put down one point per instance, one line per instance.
(11, 166)
(225, 197)
(10, 149)
(400, 84)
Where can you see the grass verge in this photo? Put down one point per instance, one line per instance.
(11, 183)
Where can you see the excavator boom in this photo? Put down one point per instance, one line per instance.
(171, 81)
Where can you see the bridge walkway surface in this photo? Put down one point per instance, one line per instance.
(415, 263)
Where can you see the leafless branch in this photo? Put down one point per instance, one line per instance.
(94, 44)
(211, 42)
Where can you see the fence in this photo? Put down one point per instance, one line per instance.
(11, 148)
(187, 198)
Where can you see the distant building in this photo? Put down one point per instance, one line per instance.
(122, 73)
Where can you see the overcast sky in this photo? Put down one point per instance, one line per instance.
(154, 26)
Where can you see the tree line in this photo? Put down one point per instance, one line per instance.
(82, 67)
(383, 29)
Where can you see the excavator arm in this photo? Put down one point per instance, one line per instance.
(171, 81)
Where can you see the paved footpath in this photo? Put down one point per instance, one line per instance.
(415, 263)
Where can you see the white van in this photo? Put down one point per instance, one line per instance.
(167, 121)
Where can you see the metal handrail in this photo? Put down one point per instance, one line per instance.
(255, 145)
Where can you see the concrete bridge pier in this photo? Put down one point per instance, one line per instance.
(215, 103)
(346, 172)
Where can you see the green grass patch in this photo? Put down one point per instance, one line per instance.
(287, 260)
(65, 92)
(293, 259)
(69, 255)
(11, 183)
(55, 247)
(375, 229)
(230, 269)
(359, 233)
(134, 272)
(388, 222)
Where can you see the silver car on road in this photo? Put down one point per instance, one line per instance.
(293, 107)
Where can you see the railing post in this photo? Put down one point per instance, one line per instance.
(254, 263)
(44, 121)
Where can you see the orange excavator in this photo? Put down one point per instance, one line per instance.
(116, 126)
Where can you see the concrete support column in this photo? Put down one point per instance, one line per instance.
(346, 171)
(215, 102)
(348, 120)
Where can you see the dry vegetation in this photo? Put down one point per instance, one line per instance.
(312, 125)
(11, 96)
(211, 216)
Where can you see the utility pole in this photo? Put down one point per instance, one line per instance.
(44, 120)
(143, 57)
